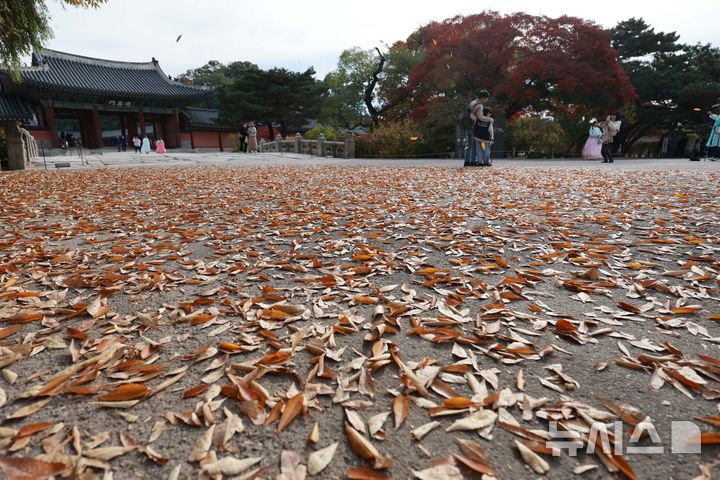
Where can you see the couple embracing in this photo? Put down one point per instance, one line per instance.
(478, 125)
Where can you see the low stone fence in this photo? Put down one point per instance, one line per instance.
(320, 147)
(21, 146)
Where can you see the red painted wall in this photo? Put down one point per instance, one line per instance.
(45, 135)
(205, 139)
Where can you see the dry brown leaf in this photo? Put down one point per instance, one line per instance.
(364, 473)
(474, 421)
(439, 472)
(401, 407)
(320, 459)
(130, 391)
(230, 466)
(291, 410)
(532, 459)
(23, 468)
(290, 468)
(202, 445)
(365, 449)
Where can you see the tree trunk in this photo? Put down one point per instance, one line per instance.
(271, 132)
(370, 88)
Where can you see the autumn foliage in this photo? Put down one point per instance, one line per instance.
(563, 63)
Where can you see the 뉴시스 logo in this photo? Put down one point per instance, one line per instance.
(610, 439)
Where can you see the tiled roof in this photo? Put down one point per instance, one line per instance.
(13, 108)
(94, 76)
(205, 118)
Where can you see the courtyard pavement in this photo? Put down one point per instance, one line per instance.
(426, 321)
(128, 159)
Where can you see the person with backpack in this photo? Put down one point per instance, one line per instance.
(473, 111)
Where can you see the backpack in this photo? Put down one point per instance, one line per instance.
(466, 123)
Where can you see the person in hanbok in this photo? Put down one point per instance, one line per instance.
(713, 142)
(252, 138)
(160, 146)
(145, 145)
(593, 145)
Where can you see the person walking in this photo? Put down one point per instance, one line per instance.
(484, 138)
(610, 128)
(160, 146)
(713, 142)
(145, 145)
(243, 136)
(136, 143)
(119, 142)
(252, 138)
(593, 145)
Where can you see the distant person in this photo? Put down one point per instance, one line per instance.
(713, 142)
(160, 146)
(484, 136)
(118, 142)
(136, 143)
(252, 138)
(473, 111)
(63, 141)
(593, 145)
(243, 137)
(610, 128)
(145, 145)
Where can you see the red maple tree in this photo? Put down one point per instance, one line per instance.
(559, 64)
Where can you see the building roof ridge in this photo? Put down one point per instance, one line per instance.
(96, 61)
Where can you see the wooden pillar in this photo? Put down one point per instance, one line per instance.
(131, 125)
(123, 127)
(171, 130)
(175, 126)
(52, 124)
(95, 130)
(141, 119)
(192, 140)
(220, 141)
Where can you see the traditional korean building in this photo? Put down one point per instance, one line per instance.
(99, 100)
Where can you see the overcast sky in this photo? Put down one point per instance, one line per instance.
(300, 34)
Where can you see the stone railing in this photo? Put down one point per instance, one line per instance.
(21, 146)
(320, 147)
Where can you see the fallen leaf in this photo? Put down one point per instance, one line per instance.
(291, 410)
(320, 459)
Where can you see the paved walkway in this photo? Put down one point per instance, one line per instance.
(127, 159)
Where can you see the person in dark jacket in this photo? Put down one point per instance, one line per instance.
(243, 135)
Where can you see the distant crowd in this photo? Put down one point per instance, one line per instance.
(477, 123)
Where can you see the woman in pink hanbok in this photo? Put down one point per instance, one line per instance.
(593, 145)
(160, 146)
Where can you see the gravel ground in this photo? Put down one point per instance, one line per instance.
(612, 273)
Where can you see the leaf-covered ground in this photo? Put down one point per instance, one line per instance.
(356, 322)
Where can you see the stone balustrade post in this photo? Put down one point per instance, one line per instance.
(321, 145)
(298, 142)
(278, 141)
(350, 146)
(15, 149)
(261, 145)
